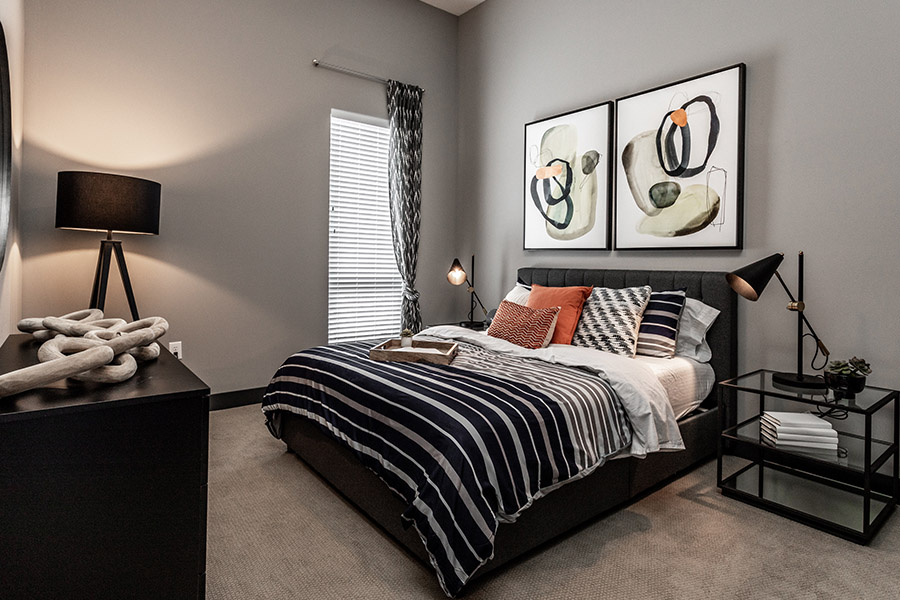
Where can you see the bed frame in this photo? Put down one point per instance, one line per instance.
(615, 484)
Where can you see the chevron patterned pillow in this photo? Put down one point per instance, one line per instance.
(527, 327)
(610, 319)
(659, 324)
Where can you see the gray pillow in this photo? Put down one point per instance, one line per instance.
(696, 319)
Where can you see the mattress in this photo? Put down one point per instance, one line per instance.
(687, 381)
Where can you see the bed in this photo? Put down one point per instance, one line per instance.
(549, 515)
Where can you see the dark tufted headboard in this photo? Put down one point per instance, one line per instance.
(709, 287)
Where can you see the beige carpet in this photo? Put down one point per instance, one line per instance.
(276, 530)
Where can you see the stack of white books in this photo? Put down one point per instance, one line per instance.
(798, 432)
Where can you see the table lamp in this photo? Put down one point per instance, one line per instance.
(458, 276)
(106, 202)
(749, 282)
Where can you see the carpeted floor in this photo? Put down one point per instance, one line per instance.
(277, 531)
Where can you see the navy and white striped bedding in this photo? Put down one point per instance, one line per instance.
(467, 445)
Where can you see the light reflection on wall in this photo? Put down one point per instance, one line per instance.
(138, 85)
(208, 349)
(116, 134)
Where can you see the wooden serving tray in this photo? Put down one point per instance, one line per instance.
(391, 351)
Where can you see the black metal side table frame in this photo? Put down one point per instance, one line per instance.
(855, 498)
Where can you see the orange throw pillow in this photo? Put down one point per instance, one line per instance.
(527, 327)
(570, 300)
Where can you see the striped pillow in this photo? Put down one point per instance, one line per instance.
(527, 327)
(659, 327)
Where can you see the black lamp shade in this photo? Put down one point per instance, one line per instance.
(106, 202)
(750, 281)
(456, 275)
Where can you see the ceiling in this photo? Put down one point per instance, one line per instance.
(455, 7)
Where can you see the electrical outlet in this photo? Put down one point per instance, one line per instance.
(175, 349)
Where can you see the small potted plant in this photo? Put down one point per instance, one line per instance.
(847, 376)
(406, 338)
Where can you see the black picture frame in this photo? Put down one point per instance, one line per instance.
(580, 143)
(666, 196)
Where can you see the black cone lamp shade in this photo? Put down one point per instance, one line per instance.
(749, 282)
(111, 203)
(458, 276)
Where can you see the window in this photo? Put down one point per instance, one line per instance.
(364, 286)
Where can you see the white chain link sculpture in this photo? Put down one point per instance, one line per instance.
(86, 347)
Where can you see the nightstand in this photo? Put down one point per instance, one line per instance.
(103, 487)
(849, 496)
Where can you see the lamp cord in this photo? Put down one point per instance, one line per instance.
(835, 412)
(812, 362)
(480, 303)
(838, 414)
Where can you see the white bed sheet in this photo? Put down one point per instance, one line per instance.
(642, 396)
(687, 381)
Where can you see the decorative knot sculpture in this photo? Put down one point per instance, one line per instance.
(86, 347)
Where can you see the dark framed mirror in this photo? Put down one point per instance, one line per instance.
(5, 147)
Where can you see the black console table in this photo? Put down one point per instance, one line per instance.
(103, 487)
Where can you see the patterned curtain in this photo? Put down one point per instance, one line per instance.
(405, 181)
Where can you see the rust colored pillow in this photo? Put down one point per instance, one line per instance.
(527, 327)
(569, 299)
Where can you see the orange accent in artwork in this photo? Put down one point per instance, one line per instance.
(548, 172)
(679, 117)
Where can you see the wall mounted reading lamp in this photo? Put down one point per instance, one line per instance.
(749, 282)
(457, 276)
(106, 202)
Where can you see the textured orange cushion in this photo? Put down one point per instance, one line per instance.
(569, 299)
(527, 327)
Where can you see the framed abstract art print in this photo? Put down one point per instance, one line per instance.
(680, 163)
(567, 180)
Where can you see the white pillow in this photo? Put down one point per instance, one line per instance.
(519, 294)
(696, 319)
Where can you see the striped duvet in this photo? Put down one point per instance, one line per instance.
(468, 445)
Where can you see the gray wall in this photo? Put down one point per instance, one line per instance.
(218, 101)
(823, 101)
(12, 17)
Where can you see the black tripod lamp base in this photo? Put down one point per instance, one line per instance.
(803, 382)
(472, 324)
(101, 276)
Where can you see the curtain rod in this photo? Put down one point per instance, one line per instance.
(317, 63)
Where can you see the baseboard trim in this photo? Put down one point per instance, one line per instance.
(236, 398)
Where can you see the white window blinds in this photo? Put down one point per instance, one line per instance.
(364, 286)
